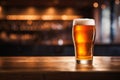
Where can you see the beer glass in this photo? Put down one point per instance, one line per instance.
(83, 34)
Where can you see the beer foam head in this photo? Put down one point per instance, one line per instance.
(83, 21)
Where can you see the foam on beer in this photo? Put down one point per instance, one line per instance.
(85, 21)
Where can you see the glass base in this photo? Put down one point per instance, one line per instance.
(85, 62)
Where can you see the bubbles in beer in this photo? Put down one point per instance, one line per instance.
(83, 36)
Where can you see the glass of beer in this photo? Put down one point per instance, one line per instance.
(83, 34)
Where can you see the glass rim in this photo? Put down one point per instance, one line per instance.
(83, 21)
(84, 18)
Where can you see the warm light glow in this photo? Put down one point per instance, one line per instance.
(29, 22)
(58, 17)
(69, 11)
(117, 1)
(31, 9)
(13, 36)
(95, 4)
(23, 17)
(3, 35)
(64, 17)
(43, 17)
(50, 11)
(47, 17)
(26, 37)
(69, 17)
(0, 8)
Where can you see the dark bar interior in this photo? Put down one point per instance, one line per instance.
(44, 28)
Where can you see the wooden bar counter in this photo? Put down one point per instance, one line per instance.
(58, 68)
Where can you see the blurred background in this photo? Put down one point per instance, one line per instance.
(43, 27)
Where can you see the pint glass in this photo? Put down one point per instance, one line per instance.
(83, 34)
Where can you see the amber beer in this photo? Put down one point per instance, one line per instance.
(83, 33)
